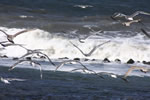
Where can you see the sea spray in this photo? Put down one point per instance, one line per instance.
(54, 46)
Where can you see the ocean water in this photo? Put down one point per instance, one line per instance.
(56, 23)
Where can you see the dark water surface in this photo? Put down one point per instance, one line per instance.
(65, 15)
(70, 86)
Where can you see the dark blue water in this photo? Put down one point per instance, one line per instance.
(70, 86)
(66, 7)
(63, 16)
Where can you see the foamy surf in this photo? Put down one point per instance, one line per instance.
(123, 48)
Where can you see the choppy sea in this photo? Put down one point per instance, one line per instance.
(56, 23)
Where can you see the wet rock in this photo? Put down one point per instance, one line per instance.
(78, 59)
(64, 58)
(42, 57)
(145, 62)
(86, 59)
(138, 61)
(93, 60)
(130, 61)
(15, 58)
(28, 58)
(4, 56)
(106, 60)
(117, 60)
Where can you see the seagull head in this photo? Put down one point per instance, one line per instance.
(144, 70)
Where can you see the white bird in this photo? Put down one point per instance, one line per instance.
(129, 17)
(83, 6)
(130, 22)
(84, 69)
(7, 80)
(142, 69)
(36, 51)
(4, 81)
(11, 37)
(32, 63)
(20, 61)
(90, 53)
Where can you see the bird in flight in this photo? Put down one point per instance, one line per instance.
(90, 53)
(7, 80)
(11, 37)
(128, 17)
(36, 51)
(142, 69)
(84, 69)
(130, 22)
(32, 63)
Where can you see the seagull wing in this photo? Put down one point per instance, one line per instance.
(148, 35)
(13, 66)
(4, 32)
(78, 49)
(95, 47)
(62, 64)
(131, 69)
(47, 58)
(128, 72)
(139, 12)
(18, 33)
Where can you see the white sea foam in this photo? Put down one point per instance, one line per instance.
(24, 16)
(135, 47)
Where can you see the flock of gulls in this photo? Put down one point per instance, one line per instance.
(28, 58)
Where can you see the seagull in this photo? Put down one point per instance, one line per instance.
(129, 17)
(20, 61)
(11, 37)
(36, 51)
(94, 48)
(130, 22)
(68, 61)
(142, 69)
(32, 63)
(6, 80)
(83, 6)
(84, 69)
(148, 35)
(109, 74)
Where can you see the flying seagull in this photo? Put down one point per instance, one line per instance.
(36, 51)
(148, 35)
(130, 22)
(84, 69)
(129, 17)
(20, 61)
(94, 48)
(32, 63)
(142, 69)
(7, 80)
(11, 37)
